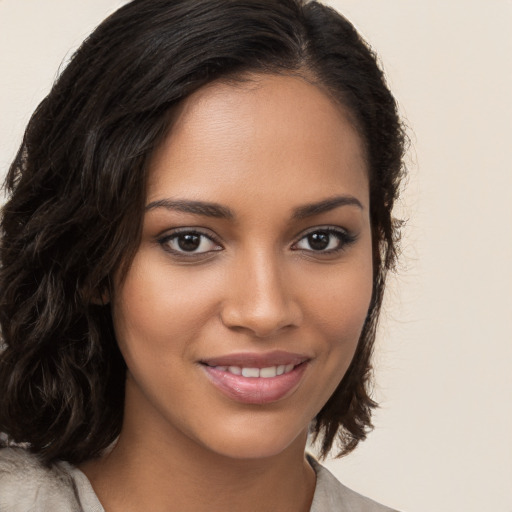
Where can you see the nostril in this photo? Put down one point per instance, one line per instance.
(260, 325)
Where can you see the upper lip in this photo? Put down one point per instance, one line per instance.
(256, 360)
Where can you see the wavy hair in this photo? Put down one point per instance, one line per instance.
(76, 193)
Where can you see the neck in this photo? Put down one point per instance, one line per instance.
(163, 470)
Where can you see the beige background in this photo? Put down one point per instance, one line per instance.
(443, 439)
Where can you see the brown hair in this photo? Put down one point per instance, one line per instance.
(76, 193)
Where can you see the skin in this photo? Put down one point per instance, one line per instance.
(262, 149)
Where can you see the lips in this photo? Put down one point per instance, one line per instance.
(256, 378)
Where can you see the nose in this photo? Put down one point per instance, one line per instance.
(259, 301)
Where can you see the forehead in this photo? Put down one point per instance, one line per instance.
(271, 134)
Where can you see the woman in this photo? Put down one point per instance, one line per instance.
(194, 252)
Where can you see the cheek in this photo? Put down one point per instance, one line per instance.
(155, 305)
(350, 308)
(339, 311)
(340, 305)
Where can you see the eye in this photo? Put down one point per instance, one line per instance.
(189, 243)
(325, 240)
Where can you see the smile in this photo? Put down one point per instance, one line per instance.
(252, 373)
(256, 378)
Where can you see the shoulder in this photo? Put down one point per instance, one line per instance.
(333, 496)
(27, 485)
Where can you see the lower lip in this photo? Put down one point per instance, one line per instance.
(255, 390)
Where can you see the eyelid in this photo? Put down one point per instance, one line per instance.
(208, 233)
(168, 235)
(345, 237)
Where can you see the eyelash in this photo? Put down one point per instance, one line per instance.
(345, 239)
(176, 234)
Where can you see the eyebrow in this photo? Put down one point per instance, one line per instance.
(196, 207)
(209, 209)
(309, 210)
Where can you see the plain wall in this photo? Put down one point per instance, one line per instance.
(443, 366)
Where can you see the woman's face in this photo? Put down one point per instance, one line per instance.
(244, 303)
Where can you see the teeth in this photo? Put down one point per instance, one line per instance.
(236, 370)
(250, 372)
(268, 372)
(265, 373)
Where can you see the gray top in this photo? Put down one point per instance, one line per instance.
(27, 486)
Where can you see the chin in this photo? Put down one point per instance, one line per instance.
(256, 442)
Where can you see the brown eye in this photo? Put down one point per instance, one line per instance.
(328, 240)
(189, 243)
(319, 241)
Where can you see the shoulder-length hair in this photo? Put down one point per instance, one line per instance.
(76, 193)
